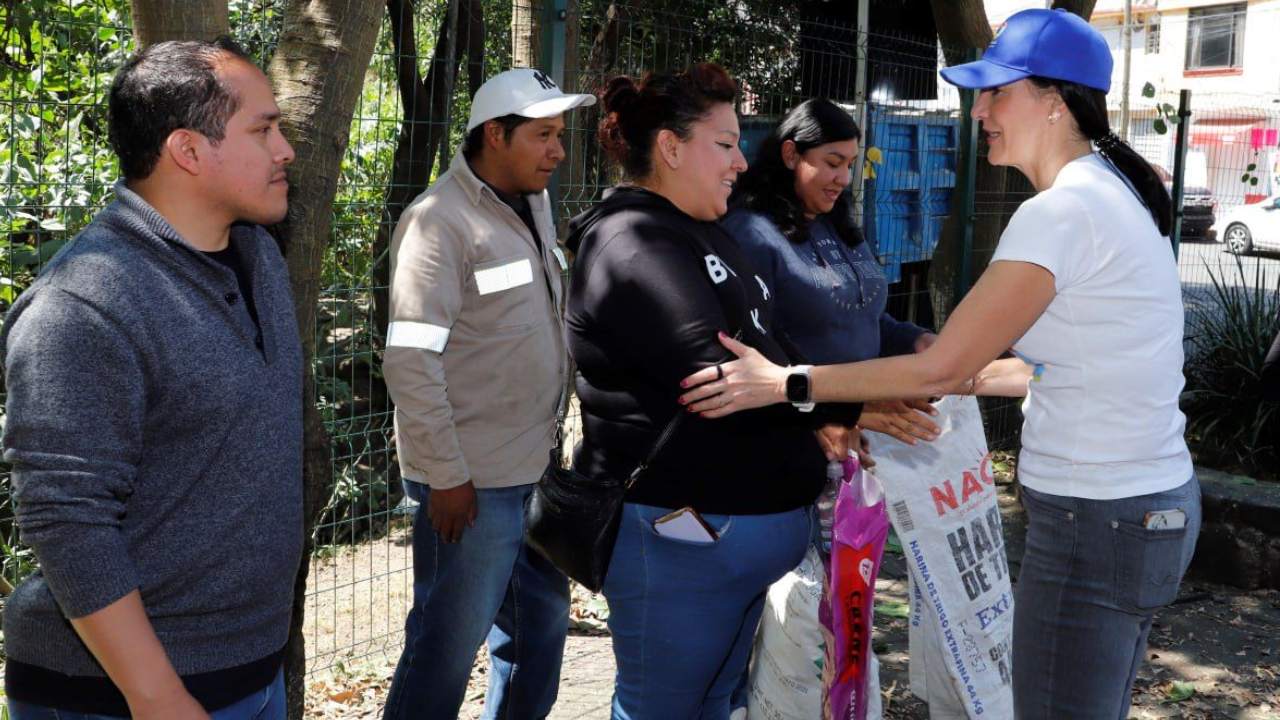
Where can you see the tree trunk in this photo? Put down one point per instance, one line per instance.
(1083, 8)
(963, 27)
(526, 48)
(425, 125)
(159, 20)
(317, 72)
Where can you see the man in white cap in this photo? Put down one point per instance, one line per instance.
(475, 363)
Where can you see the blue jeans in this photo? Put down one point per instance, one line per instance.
(740, 698)
(488, 586)
(1091, 580)
(683, 614)
(265, 704)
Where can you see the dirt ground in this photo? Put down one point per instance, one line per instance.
(1214, 654)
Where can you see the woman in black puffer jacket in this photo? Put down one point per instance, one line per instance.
(655, 278)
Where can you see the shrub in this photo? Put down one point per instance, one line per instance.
(1227, 423)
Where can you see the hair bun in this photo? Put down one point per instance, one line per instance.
(620, 95)
(619, 98)
(634, 112)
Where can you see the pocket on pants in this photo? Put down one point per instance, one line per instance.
(1052, 521)
(721, 524)
(1149, 565)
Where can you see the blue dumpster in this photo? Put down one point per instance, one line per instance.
(905, 205)
(754, 129)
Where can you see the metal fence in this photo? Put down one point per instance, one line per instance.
(56, 170)
(1230, 233)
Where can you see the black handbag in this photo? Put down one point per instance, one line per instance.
(571, 519)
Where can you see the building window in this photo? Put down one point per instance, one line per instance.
(1215, 37)
(1152, 45)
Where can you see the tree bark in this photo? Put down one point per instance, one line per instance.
(159, 20)
(425, 125)
(962, 25)
(525, 33)
(1083, 8)
(317, 72)
(962, 28)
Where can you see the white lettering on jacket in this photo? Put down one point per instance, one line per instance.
(755, 318)
(763, 288)
(716, 268)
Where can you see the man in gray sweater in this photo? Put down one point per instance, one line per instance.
(154, 416)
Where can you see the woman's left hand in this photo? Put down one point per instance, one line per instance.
(751, 381)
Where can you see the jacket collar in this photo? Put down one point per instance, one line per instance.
(477, 189)
(472, 185)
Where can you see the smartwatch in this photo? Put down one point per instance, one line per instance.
(799, 389)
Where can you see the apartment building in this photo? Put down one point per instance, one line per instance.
(1227, 54)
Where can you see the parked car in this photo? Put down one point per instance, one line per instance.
(1197, 207)
(1251, 227)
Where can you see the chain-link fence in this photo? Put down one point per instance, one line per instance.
(56, 171)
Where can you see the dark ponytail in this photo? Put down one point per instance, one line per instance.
(1089, 108)
(634, 112)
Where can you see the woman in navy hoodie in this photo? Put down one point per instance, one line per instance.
(654, 279)
(793, 218)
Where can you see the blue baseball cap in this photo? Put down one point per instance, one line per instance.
(1046, 43)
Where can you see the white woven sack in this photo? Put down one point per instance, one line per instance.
(942, 502)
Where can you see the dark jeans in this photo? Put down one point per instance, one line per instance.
(1092, 578)
(491, 587)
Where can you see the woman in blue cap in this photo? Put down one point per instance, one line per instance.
(1084, 288)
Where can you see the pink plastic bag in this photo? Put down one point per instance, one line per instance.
(846, 613)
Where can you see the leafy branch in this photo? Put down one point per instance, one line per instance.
(1167, 114)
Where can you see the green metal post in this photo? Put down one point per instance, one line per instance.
(1180, 166)
(555, 15)
(968, 190)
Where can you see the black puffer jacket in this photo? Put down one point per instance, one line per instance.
(651, 288)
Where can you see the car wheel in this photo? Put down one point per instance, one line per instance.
(1238, 239)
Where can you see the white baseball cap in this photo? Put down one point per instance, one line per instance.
(523, 91)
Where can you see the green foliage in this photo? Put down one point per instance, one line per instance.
(1166, 114)
(757, 40)
(55, 167)
(1178, 691)
(256, 25)
(1229, 426)
(892, 609)
(1250, 176)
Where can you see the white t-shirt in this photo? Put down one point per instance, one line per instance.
(1101, 415)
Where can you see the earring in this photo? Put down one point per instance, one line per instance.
(1053, 118)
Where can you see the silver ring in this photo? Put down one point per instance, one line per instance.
(719, 372)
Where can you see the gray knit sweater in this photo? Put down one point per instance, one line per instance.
(153, 445)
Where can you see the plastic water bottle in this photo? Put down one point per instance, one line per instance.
(827, 503)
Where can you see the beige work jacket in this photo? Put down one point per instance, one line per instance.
(475, 359)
